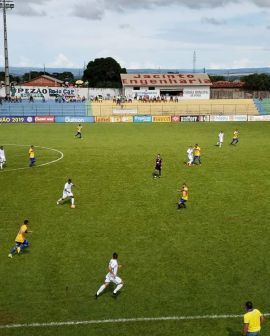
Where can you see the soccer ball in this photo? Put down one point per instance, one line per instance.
(73, 206)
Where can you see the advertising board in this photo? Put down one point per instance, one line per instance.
(45, 119)
(102, 119)
(162, 119)
(142, 119)
(16, 120)
(259, 118)
(75, 119)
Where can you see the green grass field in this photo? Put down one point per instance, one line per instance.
(208, 259)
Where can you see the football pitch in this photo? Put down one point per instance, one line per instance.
(205, 260)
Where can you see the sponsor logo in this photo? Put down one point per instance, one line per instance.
(75, 119)
(189, 118)
(175, 118)
(219, 118)
(115, 119)
(45, 119)
(161, 119)
(142, 118)
(127, 119)
(259, 118)
(16, 120)
(102, 119)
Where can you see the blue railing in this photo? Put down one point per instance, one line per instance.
(40, 108)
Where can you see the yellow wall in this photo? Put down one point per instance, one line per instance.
(183, 107)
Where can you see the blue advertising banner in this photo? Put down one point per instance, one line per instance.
(16, 120)
(77, 120)
(141, 119)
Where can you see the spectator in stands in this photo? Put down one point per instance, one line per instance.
(31, 99)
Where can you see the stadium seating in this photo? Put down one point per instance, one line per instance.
(48, 108)
(266, 105)
(183, 107)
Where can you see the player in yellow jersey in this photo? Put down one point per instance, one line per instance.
(235, 139)
(197, 155)
(79, 131)
(184, 196)
(20, 241)
(32, 157)
(252, 321)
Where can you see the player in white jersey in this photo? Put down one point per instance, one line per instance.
(190, 155)
(220, 139)
(112, 277)
(67, 193)
(2, 157)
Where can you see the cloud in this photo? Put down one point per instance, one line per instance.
(91, 10)
(95, 10)
(30, 7)
(61, 61)
(213, 21)
(262, 3)
(124, 26)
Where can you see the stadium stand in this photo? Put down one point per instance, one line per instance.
(259, 106)
(39, 108)
(266, 105)
(183, 107)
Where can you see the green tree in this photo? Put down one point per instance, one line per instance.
(13, 79)
(257, 82)
(65, 76)
(103, 72)
(216, 78)
(33, 74)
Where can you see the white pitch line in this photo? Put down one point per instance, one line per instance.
(41, 165)
(123, 320)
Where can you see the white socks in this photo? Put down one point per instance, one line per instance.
(101, 289)
(118, 288)
(72, 200)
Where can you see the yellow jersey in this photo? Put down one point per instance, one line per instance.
(253, 319)
(31, 153)
(20, 238)
(197, 151)
(235, 134)
(185, 193)
(79, 129)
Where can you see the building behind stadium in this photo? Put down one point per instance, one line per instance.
(182, 86)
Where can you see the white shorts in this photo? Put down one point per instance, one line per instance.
(116, 280)
(67, 194)
(190, 157)
(2, 159)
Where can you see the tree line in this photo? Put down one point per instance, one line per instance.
(105, 72)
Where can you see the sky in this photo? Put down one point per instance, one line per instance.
(139, 33)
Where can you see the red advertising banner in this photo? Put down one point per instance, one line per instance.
(45, 119)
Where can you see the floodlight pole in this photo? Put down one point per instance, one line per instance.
(6, 4)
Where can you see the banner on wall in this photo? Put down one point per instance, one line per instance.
(128, 119)
(175, 118)
(259, 118)
(142, 119)
(219, 118)
(45, 119)
(115, 119)
(75, 119)
(102, 119)
(161, 119)
(189, 118)
(16, 120)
